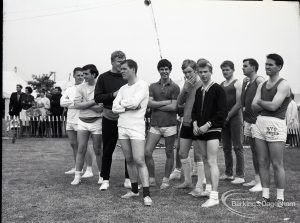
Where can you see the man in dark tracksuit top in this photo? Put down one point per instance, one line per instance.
(107, 87)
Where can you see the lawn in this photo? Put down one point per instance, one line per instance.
(35, 189)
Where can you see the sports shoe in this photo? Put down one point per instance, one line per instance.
(130, 194)
(100, 181)
(210, 202)
(250, 184)
(256, 188)
(127, 183)
(184, 185)
(147, 201)
(71, 171)
(279, 203)
(238, 180)
(105, 185)
(264, 201)
(195, 192)
(87, 174)
(226, 177)
(77, 180)
(201, 194)
(175, 175)
(152, 182)
(164, 185)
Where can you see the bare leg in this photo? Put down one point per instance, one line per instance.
(152, 141)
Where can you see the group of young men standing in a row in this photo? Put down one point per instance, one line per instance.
(113, 108)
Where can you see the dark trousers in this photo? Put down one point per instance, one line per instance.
(232, 135)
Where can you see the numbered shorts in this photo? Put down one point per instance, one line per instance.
(94, 127)
(270, 129)
(164, 131)
(125, 133)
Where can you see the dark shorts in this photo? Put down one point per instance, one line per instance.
(186, 132)
(209, 136)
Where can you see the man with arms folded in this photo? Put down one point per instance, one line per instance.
(131, 104)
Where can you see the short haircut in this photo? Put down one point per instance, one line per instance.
(19, 85)
(201, 63)
(277, 58)
(164, 63)
(131, 64)
(189, 63)
(227, 63)
(92, 68)
(29, 89)
(76, 69)
(117, 54)
(252, 63)
(58, 88)
(43, 91)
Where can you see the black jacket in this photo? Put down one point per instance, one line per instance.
(15, 105)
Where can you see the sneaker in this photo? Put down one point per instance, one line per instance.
(130, 194)
(250, 184)
(147, 201)
(210, 202)
(195, 192)
(164, 185)
(152, 183)
(71, 171)
(226, 177)
(256, 188)
(184, 185)
(175, 175)
(264, 201)
(105, 185)
(127, 183)
(201, 194)
(238, 180)
(279, 203)
(76, 181)
(87, 174)
(100, 181)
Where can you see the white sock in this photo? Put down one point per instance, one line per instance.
(186, 166)
(77, 173)
(89, 168)
(266, 192)
(200, 174)
(257, 179)
(280, 194)
(214, 195)
(208, 187)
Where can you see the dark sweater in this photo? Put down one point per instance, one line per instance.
(214, 106)
(106, 85)
(55, 107)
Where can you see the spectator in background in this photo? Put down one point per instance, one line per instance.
(56, 112)
(43, 103)
(15, 106)
(26, 103)
(292, 122)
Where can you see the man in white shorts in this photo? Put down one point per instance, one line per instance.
(250, 84)
(163, 102)
(270, 131)
(90, 120)
(131, 104)
(67, 101)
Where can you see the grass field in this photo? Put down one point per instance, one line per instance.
(35, 189)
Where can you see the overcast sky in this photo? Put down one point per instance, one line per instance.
(57, 35)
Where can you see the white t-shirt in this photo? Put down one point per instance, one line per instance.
(67, 100)
(131, 97)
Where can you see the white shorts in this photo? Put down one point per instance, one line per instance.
(94, 127)
(125, 133)
(270, 129)
(248, 127)
(71, 127)
(164, 131)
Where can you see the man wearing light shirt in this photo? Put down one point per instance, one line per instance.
(131, 105)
